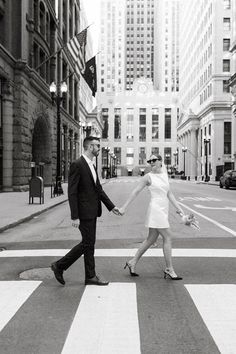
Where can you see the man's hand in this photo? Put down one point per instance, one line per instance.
(75, 223)
(116, 211)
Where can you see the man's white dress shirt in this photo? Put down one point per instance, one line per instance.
(91, 166)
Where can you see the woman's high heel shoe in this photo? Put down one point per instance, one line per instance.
(133, 274)
(167, 274)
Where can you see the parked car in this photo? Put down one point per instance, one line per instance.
(228, 179)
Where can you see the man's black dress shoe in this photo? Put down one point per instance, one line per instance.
(96, 281)
(58, 273)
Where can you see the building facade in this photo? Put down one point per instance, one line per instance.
(33, 54)
(233, 81)
(166, 53)
(136, 124)
(204, 127)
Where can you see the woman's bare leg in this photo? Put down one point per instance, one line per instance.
(152, 237)
(167, 250)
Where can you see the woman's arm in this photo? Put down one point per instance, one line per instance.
(172, 199)
(143, 183)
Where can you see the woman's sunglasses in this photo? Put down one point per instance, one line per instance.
(153, 160)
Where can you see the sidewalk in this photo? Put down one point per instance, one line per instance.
(15, 207)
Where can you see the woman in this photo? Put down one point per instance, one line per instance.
(157, 214)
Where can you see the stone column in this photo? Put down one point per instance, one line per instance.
(193, 149)
(66, 152)
(71, 140)
(7, 134)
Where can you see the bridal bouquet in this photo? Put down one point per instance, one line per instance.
(190, 220)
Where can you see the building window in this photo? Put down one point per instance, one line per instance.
(226, 86)
(227, 137)
(227, 4)
(226, 65)
(155, 123)
(117, 152)
(226, 44)
(167, 123)
(105, 123)
(226, 24)
(142, 156)
(117, 123)
(130, 124)
(129, 156)
(167, 157)
(142, 124)
(155, 151)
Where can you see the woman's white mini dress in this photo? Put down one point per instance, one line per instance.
(158, 209)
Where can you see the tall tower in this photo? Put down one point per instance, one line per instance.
(139, 44)
(166, 54)
(111, 59)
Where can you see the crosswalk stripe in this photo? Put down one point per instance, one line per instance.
(13, 294)
(216, 304)
(125, 252)
(106, 322)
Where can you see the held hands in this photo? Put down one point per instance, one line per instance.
(118, 211)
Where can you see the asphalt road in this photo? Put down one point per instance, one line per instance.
(145, 315)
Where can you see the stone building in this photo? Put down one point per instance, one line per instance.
(136, 124)
(33, 54)
(233, 80)
(204, 127)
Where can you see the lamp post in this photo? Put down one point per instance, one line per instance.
(206, 142)
(184, 149)
(107, 149)
(87, 128)
(58, 93)
(176, 158)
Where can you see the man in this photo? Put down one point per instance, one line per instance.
(85, 195)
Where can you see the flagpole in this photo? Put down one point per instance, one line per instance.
(61, 48)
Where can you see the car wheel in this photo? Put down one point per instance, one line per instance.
(226, 186)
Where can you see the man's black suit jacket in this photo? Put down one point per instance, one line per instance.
(84, 195)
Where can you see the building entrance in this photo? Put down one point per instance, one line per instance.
(42, 148)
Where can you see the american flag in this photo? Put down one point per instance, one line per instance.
(82, 37)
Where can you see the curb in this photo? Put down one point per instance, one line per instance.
(31, 216)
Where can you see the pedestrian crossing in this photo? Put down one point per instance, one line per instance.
(110, 313)
(126, 252)
(107, 319)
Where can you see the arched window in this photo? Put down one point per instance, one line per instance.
(42, 19)
(36, 13)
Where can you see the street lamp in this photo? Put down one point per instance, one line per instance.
(176, 158)
(184, 149)
(58, 94)
(107, 149)
(206, 142)
(87, 128)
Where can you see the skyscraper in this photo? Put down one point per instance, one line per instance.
(166, 49)
(205, 65)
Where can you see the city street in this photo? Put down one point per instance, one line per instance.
(147, 314)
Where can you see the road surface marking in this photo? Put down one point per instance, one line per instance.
(216, 304)
(105, 322)
(227, 229)
(202, 199)
(126, 252)
(214, 208)
(13, 294)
